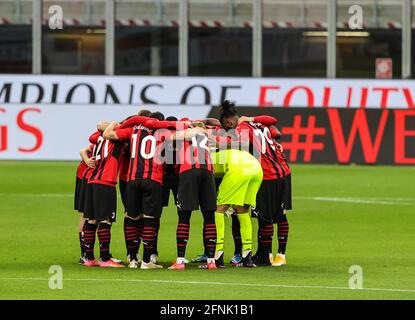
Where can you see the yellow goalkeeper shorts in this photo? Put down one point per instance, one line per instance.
(242, 178)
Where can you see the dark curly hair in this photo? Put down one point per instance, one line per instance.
(144, 113)
(157, 115)
(227, 109)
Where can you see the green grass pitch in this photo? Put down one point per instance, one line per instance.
(343, 216)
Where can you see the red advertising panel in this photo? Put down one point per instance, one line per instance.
(363, 136)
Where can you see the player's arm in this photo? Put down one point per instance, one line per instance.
(93, 138)
(198, 123)
(133, 121)
(113, 132)
(265, 120)
(101, 126)
(85, 158)
(211, 122)
(109, 133)
(187, 134)
(275, 133)
(156, 124)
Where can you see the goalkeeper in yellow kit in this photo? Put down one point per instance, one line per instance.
(242, 177)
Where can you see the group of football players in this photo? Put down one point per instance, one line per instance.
(231, 166)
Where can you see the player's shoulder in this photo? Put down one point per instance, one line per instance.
(250, 125)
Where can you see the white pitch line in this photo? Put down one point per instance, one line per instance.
(219, 284)
(388, 198)
(381, 201)
(357, 200)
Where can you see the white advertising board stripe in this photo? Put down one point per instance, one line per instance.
(270, 92)
(58, 132)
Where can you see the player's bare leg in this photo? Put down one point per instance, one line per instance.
(81, 223)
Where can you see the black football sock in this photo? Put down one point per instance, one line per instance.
(182, 233)
(131, 237)
(140, 226)
(209, 233)
(265, 234)
(89, 234)
(236, 233)
(157, 228)
(104, 237)
(149, 237)
(282, 233)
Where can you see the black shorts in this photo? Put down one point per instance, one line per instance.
(83, 196)
(77, 195)
(80, 194)
(123, 189)
(170, 183)
(196, 188)
(144, 197)
(270, 200)
(101, 202)
(287, 193)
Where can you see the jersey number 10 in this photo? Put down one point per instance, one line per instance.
(143, 153)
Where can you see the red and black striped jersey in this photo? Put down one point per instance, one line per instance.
(81, 170)
(107, 156)
(194, 154)
(146, 146)
(276, 134)
(282, 160)
(220, 135)
(262, 146)
(94, 139)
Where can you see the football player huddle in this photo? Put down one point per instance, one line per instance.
(232, 166)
